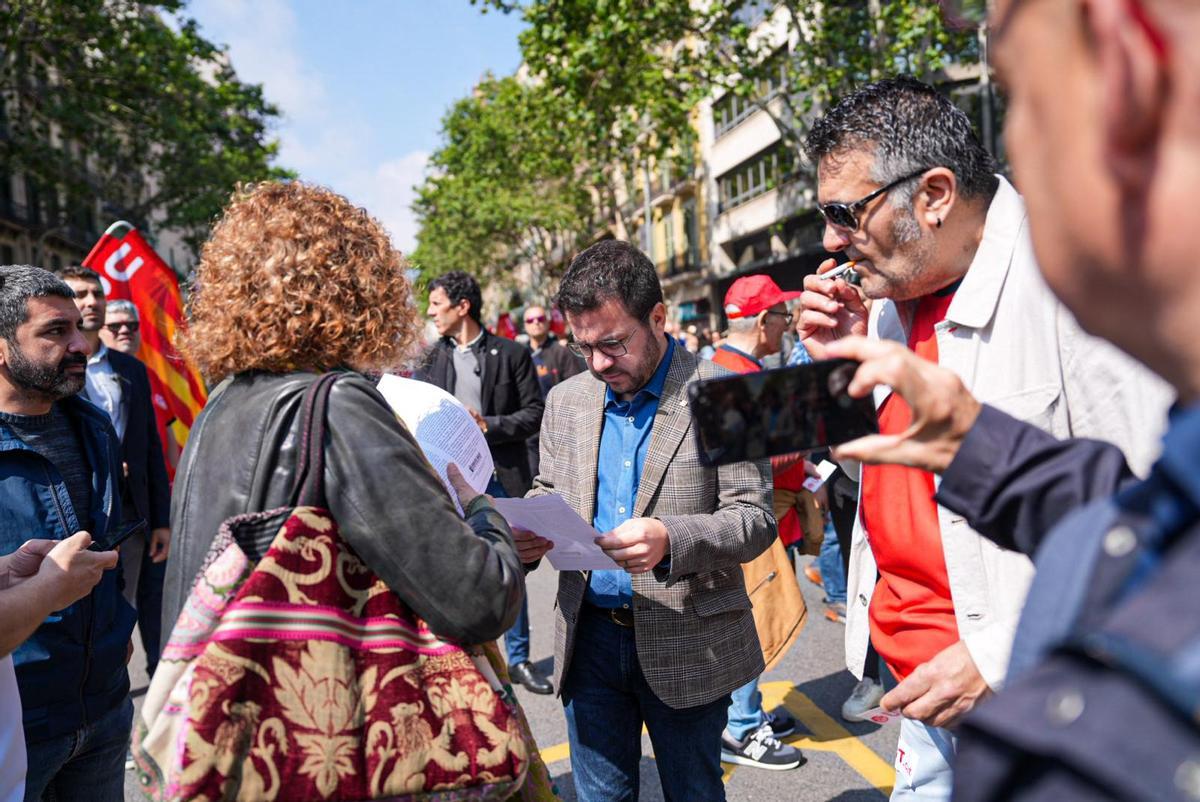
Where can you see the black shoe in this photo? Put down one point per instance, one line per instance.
(782, 723)
(525, 674)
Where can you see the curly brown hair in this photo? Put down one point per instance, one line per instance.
(295, 277)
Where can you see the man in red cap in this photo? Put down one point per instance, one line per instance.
(758, 317)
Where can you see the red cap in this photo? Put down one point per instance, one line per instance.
(750, 295)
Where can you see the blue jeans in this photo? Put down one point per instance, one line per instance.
(745, 711)
(516, 640)
(607, 699)
(829, 561)
(924, 756)
(87, 764)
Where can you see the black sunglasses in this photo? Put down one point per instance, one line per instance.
(844, 215)
(115, 328)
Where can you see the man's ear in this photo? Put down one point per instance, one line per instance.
(936, 197)
(1130, 53)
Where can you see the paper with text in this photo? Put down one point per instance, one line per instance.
(549, 516)
(444, 429)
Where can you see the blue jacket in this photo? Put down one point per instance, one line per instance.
(72, 670)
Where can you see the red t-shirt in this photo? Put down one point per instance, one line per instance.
(912, 611)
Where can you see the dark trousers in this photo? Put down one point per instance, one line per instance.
(86, 764)
(144, 590)
(607, 699)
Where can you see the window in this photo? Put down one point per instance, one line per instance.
(761, 173)
(731, 109)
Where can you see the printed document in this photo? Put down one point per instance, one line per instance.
(444, 429)
(550, 517)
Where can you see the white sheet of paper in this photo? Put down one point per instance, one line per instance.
(825, 468)
(443, 427)
(550, 517)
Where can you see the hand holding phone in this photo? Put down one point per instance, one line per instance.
(127, 531)
(756, 415)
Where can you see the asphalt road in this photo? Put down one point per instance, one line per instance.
(845, 762)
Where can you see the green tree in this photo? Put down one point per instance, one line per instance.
(633, 70)
(508, 186)
(104, 100)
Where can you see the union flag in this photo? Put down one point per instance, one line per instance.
(131, 270)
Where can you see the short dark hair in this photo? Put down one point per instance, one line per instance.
(460, 286)
(610, 269)
(909, 125)
(79, 271)
(19, 283)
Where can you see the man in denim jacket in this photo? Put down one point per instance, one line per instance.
(59, 468)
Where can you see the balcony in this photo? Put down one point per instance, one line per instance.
(679, 263)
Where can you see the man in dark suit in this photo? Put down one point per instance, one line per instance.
(495, 379)
(118, 384)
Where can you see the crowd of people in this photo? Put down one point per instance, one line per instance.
(1022, 527)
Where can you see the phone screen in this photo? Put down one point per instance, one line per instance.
(758, 415)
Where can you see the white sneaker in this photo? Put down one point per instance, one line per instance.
(866, 695)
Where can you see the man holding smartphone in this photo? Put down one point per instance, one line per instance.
(119, 384)
(942, 248)
(59, 469)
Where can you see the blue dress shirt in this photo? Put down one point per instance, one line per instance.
(624, 441)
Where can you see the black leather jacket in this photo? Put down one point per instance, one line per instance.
(463, 577)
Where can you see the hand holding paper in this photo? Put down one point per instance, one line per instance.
(549, 518)
(637, 545)
(530, 547)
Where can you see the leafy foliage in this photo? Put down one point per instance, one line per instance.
(506, 185)
(631, 67)
(104, 99)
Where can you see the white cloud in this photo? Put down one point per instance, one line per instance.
(322, 143)
(387, 193)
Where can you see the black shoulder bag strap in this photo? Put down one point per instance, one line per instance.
(309, 487)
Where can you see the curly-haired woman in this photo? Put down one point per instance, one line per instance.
(295, 281)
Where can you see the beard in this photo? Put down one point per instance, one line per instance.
(48, 381)
(639, 374)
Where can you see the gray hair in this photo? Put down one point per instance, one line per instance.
(909, 126)
(122, 307)
(742, 325)
(19, 283)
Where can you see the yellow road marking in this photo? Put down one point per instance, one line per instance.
(826, 736)
(555, 753)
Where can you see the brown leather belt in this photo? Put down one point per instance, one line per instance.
(618, 615)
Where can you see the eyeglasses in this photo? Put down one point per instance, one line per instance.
(787, 316)
(536, 319)
(610, 348)
(115, 328)
(844, 215)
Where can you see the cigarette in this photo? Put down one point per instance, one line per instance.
(846, 270)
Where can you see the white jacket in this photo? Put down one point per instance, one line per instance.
(1019, 350)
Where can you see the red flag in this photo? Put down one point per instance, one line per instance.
(504, 327)
(131, 270)
(557, 325)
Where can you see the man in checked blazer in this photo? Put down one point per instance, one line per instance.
(664, 640)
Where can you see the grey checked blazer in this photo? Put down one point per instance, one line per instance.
(695, 633)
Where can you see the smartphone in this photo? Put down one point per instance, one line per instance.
(758, 415)
(137, 527)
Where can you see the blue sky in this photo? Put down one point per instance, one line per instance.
(362, 84)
